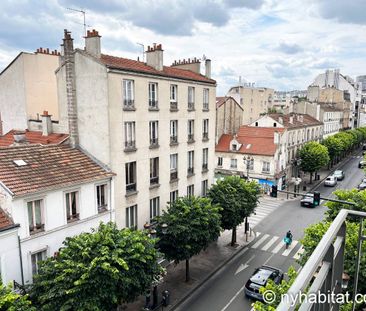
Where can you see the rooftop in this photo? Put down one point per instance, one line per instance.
(5, 221)
(298, 120)
(46, 168)
(220, 100)
(33, 137)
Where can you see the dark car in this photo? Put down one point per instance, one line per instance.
(260, 278)
(364, 147)
(307, 200)
(362, 164)
(339, 174)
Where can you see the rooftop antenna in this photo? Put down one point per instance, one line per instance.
(82, 12)
(143, 51)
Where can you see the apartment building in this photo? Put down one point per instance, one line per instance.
(47, 193)
(153, 125)
(255, 101)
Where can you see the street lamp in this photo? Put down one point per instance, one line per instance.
(247, 160)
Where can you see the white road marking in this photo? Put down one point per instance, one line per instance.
(262, 239)
(268, 245)
(299, 253)
(244, 266)
(232, 299)
(291, 247)
(278, 247)
(270, 257)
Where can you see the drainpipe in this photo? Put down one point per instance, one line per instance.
(110, 200)
(21, 260)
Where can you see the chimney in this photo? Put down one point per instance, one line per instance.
(154, 56)
(19, 138)
(208, 68)
(69, 58)
(46, 123)
(291, 119)
(92, 43)
(192, 64)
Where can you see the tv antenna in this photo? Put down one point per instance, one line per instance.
(84, 13)
(143, 50)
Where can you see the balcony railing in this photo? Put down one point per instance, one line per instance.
(190, 106)
(190, 138)
(322, 273)
(72, 217)
(190, 171)
(173, 140)
(128, 104)
(173, 106)
(37, 228)
(153, 104)
(130, 145)
(131, 187)
(205, 106)
(102, 208)
(205, 136)
(173, 176)
(154, 180)
(154, 142)
(204, 167)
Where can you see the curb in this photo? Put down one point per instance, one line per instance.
(210, 275)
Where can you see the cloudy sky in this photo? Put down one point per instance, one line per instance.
(281, 44)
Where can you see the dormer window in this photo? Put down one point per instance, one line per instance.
(233, 147)
(275, 124)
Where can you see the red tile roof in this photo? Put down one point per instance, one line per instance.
(137, 66)
(33, 137)
(306, 120)
(5, 220)
(254, 140)
(47, 167)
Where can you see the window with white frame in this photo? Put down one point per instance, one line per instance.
(205, 129)
(130, 142)
(36, 258)
(173, 196)
(72, 205)
(102, 201)
(204, 159)
(173, 93)
(204, 187)
(251, 164)
(266, 167)
(191, 96)
(190, 190)
(190, 162)
(174, 166)
(174, 131)
(128, 94)
(130, 171)
(154, 208)
(219, 161)
(154, 171)
(190, 130)
(205, 99)
(153, 95)
(154, 133)
(131, 217)
(233, 163)
(35, 216)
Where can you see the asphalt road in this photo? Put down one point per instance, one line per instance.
(225, 290)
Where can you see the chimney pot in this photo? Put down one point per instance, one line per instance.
(46, 124)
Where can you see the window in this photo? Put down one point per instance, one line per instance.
(174, 166)
(205, 99)
(266, 167)
(233, 147)
(205, 129)
(219, 161)
(130, 136)
(130, 176)
(128, 94)
(154, 139)
(35, 216)
(275, 124)
(36, 258)
(102, 198)
(72, 205)
(154, 208)
(190, 130)
(191, 98)
(173, 97)
(154, 171)
(153, 96)
(190, 170)
(251, 164)
(131, 217)
(173, 196)
(233, 163)
(204, 187)
(190, 190)
(174, 131)
(205, 159)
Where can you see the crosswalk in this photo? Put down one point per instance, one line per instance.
(265, 207)
(275, 245)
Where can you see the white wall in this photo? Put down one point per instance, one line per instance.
(10, 268)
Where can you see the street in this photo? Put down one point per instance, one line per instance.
(225, 290)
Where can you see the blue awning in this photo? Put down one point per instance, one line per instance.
(265, 181)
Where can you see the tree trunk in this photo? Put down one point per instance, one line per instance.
(233, 237)
(311, 178)
(187, 271)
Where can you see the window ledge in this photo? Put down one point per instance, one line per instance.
(131, 193)
(174, 180)
(153, 109)
(154, 146)
(153, 186)
(205, 139)
(204, 170)
(191, 109)
(205, 110)
(190, 141)
(174, 144)
(190, 175)
(129, 109)
(174, 109)
(130, 150)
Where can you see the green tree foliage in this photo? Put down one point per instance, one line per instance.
(335, 147)
(313, 156)
(97, 271)
(11, 301)
(193, 223)
(238, 199)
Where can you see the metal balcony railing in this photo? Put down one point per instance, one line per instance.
(128, 104)
(322, 273)
(173, 106)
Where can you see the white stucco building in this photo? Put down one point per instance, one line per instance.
(47, 193)
(153, 125)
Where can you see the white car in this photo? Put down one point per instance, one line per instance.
(330, 181)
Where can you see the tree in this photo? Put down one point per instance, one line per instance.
(11, 301)
(237, 198)
(313, 157)
(97, 271)
(192, 224)
(335, 147)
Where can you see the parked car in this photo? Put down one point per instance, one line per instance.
(364, 147)
(362, 185)
(330, 181)
(260, 278)
(307, 200)
(339, 174)
(362, 164)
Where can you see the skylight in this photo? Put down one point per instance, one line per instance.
(248, 146)
(20, 162)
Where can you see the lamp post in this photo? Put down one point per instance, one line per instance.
(151, 231)
(247, 160)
